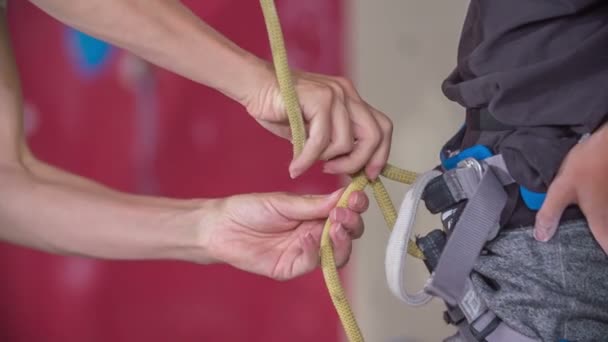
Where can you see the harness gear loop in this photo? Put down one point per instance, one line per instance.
(359, 180)
(395, 259)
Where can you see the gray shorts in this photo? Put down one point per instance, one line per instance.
(549, 291)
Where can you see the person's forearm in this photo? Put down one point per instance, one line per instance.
(49, 209)
(65, 219)
(42, 171)
(167, 34)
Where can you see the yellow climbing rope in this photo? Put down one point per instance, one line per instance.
(359, 181)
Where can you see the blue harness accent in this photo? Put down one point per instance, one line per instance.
(479, 152)
(532, 200)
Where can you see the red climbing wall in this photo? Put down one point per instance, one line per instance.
(158, 133)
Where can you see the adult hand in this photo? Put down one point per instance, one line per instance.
(582, 180)
(278, 234)
(342, 128)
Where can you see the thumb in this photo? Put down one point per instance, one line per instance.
(299, 207)
(319, 138)
(559, 196)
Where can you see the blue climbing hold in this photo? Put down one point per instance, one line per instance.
(90, 54)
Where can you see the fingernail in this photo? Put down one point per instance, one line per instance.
(327, 169)
(341, 233)
(373, 173)
(355, 200)
(541, 234)
(543, 230)
(293, 173)
(339, 214)
(335, 193)
(359, 200)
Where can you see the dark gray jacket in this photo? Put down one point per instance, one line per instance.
(539, 66)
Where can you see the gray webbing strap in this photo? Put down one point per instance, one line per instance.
(484, 325)
(480, 217)
(462, 335)
(463, 182)
(502, 333)
(497, 164)
(471, 305)
(478, 223)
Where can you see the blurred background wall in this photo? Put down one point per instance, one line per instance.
(401, 50)
(99, 112)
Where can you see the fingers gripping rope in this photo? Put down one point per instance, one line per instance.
(359, 181)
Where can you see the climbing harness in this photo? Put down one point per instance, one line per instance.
(469, 194)
(471, 198)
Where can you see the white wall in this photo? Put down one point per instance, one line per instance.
(401, 51)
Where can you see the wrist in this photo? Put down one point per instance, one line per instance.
(258, 76)
(191, 242)
(198, 244)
